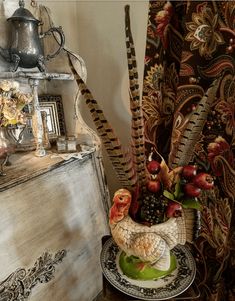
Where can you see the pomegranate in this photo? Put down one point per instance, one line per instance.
(153, 186)
(173, 209)
(204, 181)
(153, 167)
(189, 171)
(191, 190)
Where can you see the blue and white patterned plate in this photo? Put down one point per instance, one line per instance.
(162, 289)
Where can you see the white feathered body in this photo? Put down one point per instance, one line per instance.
(150, 244)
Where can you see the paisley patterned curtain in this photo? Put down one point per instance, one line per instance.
(189, 45)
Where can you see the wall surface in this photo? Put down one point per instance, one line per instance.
(96, 31)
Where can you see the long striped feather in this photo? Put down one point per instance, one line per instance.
(192, 131)
(137, 123)
(121, 161)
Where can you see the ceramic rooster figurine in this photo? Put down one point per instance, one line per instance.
(150, 244)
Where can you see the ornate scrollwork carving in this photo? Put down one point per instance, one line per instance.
(18, 285)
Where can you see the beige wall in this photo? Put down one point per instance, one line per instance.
(95, 30)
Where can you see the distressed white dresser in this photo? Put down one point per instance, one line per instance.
(53, 217)
(53, 212)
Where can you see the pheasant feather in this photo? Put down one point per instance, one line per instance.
(120, 159)
(137, 124)
(192, 131)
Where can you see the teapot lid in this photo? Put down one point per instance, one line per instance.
(23, 14)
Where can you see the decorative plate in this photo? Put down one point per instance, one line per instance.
(162, 289)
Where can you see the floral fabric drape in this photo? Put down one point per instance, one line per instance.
(189, 45)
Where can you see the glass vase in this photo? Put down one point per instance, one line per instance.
(6, 149)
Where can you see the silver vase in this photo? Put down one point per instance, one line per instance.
(22, 136)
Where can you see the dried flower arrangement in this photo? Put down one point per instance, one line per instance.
(12, 102)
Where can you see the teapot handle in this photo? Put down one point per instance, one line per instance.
(61, 44)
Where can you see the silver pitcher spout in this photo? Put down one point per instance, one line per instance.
(26, 49)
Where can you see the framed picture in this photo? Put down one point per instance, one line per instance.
(53, 107)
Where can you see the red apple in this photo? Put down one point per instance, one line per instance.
(189, 171)
(204, 181)
(173, 209)
(191, 190)
(154, 186)
(153, 167)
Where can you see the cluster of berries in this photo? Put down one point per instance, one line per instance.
(153, 208)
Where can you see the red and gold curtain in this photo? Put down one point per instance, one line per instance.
(189, 45)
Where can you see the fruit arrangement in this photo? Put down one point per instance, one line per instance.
(167, 192)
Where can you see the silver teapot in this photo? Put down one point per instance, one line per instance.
(26, 49)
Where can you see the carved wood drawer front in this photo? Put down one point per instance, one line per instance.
(52, 220)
